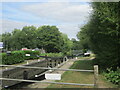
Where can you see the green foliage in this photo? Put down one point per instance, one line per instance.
(52, 54)
(113, 76)
(83, 64)
(76, 44)
(84, 50)
(101, 34)
(83, 37)
(18, 56)
(33, 54)
(69, 53)
(47, 37)
(67, 44)
(15, 57)
(6, 40)
(20, 38)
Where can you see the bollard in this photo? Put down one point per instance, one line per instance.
(38, 60)
(95, 76)
(27, 62)
(76, 58)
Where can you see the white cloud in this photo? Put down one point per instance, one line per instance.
(70, 16)
(59, 0)
(70, 29)
(45, 1)
(9, 25)
(20, 0)
(64, 12)
(66, 16)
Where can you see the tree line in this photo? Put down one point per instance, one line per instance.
(101, 34)
(47, 37)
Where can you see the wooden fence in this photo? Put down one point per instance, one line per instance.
(78, 70)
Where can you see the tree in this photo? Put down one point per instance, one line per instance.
(29, 37)
(67, 44)
(49, 38)
(46, 37)
(101, 33)
(76, 44)
(6, 40)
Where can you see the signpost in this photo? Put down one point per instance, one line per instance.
(1, 45)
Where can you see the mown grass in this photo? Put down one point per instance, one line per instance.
(81, 77)
(83, 64)
(77, 77)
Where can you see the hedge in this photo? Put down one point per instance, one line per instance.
(18, 56)
(15, 57)
(33, 54)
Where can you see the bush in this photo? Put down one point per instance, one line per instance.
(69, 53)
(15, 57)
(113, 76)
(33, 54)
(18, 56)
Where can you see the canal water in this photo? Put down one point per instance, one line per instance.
(23, 85)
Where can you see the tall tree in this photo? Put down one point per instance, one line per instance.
(46, 37)
(28, 37)
(102, 32)
(49, 38)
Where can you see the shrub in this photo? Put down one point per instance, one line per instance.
(18, 56)
(113, 76)
(69, 53)
(33, 54)
(43, 54)
(15, 57)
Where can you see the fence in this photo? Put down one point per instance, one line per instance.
(95, 75)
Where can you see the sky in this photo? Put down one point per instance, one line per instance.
(67, 15)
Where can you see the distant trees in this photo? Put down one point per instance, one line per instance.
(67, 44)
(49, 38)
(101, 34)
(5, 39)
(76, 44)
(46, 37)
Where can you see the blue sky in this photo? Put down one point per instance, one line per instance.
(67, 16)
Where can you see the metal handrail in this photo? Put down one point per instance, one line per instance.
(60, 69)
(46, 82)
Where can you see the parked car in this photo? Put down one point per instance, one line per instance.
(86, 54)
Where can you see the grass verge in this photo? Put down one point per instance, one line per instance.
(81, 77)
(77, 77)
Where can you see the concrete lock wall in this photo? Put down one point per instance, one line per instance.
(23, 73)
